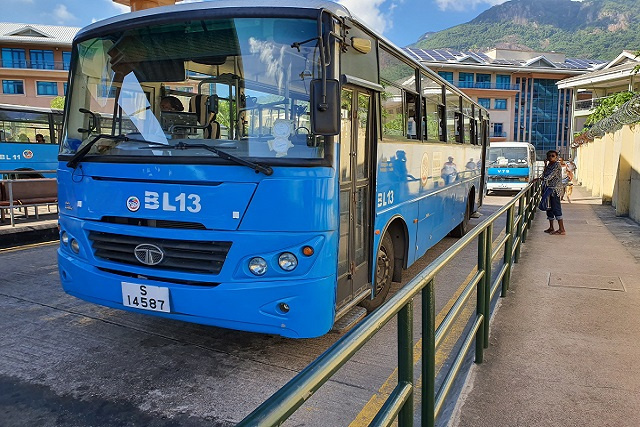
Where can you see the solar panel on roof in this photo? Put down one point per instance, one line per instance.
(436, 55)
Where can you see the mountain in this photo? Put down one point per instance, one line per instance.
(597, 29)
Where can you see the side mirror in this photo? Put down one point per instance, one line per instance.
(325, 113)
(212, 104)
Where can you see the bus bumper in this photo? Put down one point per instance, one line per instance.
(255, 306)
(506, 186)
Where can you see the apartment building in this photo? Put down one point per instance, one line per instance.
(34, 62)
(519, 89)
(590, 89)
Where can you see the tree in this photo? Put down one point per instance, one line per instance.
(57, 103)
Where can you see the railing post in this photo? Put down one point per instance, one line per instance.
(521, 213)
(11, 204)
(487, 283)
(508, 252)
(482, 247)
(405, 360)
(534, 200)
(428, 355)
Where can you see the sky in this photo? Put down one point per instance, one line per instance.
(401, 21)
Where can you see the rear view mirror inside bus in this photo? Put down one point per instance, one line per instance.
(325, 119)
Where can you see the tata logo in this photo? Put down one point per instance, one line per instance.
(148, 254)
(133, 203)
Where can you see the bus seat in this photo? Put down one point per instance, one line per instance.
(198, 105)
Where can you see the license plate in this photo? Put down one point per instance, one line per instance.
(145, 297)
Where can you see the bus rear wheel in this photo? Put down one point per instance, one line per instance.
(462, 228)
(384, 274)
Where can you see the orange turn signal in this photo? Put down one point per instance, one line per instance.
(307, 251)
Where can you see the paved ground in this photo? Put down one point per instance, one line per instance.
(565, 344)
(65, 362)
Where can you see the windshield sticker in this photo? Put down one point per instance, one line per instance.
(135, 104)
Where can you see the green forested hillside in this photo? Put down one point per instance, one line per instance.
(597, 29)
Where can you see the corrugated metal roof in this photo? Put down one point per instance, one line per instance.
(36, 33)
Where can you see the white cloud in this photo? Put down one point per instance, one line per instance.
(121, 8)
(460, 5)
(370, 11)
(62, 14)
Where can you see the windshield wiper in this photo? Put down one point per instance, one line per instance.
(73, 162)
(267, 170)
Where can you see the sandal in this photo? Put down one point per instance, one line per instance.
(549, 230)
(558, 233)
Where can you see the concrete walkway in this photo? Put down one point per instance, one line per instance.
(565, 344)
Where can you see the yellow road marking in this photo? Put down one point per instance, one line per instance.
(33, 245)
(370, 410)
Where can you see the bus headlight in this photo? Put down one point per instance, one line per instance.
(64, 238)
(287, 261)
(75, 246)
(258, 266)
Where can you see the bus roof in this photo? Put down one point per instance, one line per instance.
(27, 108)
(267, 5)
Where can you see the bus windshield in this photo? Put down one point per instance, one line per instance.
(513, 157)
(233, 84)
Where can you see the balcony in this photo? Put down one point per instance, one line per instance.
(485, 85)
(35, 65)
(498, 135)
(589, 104)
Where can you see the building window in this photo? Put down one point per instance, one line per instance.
(41, 59)
(106, 91)
(483, 81)
(485, 102)
(13, 58)
(503, 81)
(466, 80)
(64, 88)
(447, 75)
(66, 60)
(497, 130)
(13, 87)
(47, 88)
(499, 104)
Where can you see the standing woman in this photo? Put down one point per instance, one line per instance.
(552, 179)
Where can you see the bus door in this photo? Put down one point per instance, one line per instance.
(355, 194)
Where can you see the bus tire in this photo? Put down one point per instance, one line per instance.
(384, 274)
(462, 228)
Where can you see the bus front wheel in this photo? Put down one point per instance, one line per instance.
(384, 274)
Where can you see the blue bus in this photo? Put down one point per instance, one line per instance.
(269, 167)
(29, 138)
(510, 166)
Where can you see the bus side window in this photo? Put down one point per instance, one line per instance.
(432, 110)
(410, 106)
(393, 126)
(452, 109)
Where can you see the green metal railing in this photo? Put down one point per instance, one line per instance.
(399, 404)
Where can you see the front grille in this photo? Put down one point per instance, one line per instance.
(158, 223)
(159, 279)
(193, 256)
